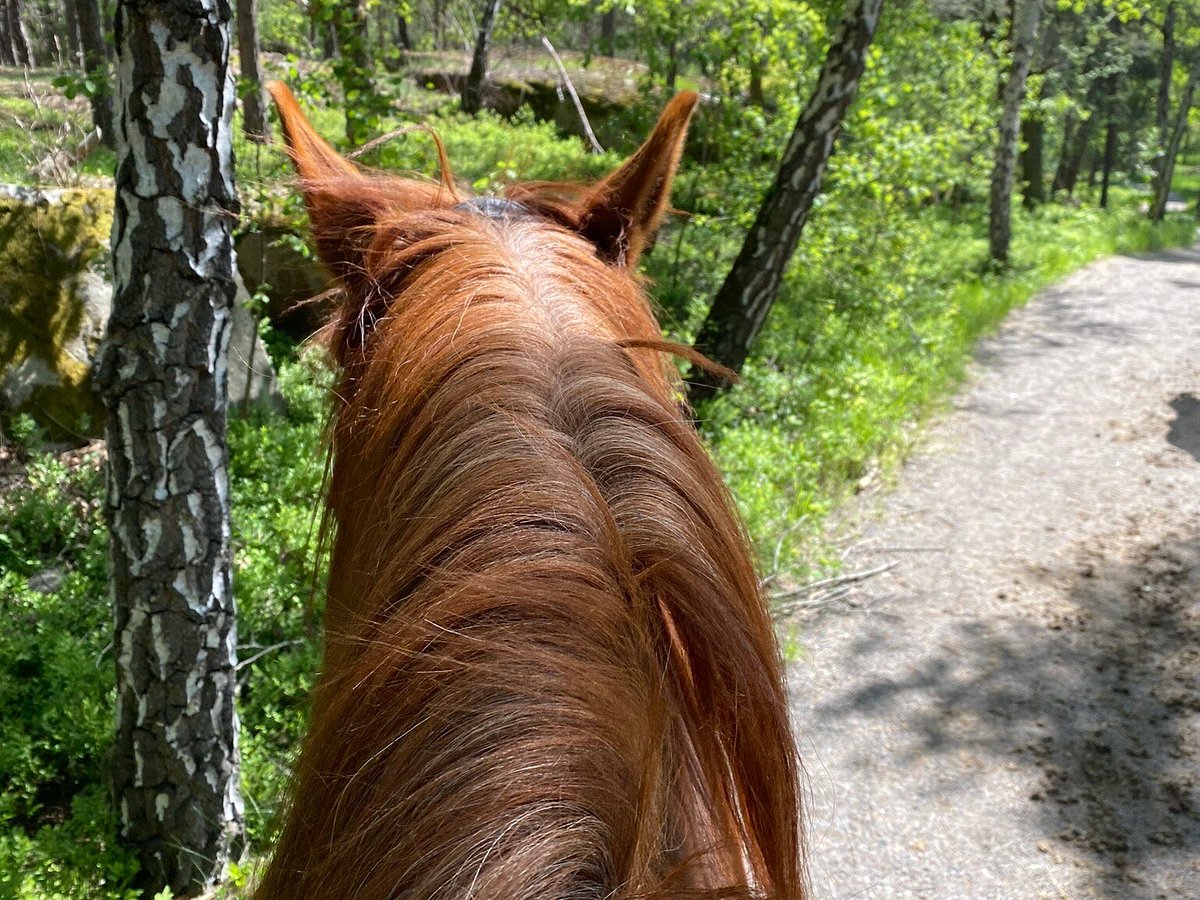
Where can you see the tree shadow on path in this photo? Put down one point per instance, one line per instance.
(1098, 691)
(1185, 430)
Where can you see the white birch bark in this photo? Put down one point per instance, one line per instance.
(162, 373)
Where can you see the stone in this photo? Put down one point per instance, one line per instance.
(55, 301)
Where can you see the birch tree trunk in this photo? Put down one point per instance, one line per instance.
(1162, 187)
(472, 95)
(162, 374)
(741, 306)
(1027, 14)
(17, 33)
(254, 102)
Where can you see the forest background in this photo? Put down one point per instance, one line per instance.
(893, 281)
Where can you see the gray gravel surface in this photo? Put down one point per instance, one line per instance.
(1013, 710)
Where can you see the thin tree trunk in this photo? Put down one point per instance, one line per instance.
(1070, 126)
(608, 31)
(472, 95)
(1110, 158)
(740, 307)
(254, 101)
(755, 90)
(1078, 152)
(1033, 132)
(95, 63)
(1167, 69)
(162, 374)
(1026, 16)
(19, 36)
(354, 67)
(1163, 187)
(74, 44)
(402, 37)
(7, 58)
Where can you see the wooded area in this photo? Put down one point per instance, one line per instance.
(867, 188)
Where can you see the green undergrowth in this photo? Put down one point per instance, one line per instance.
(872, 331)
(57, 826)
(859, 350)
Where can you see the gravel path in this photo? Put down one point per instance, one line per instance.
(1013, 710)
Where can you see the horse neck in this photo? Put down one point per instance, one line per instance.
(550, 673)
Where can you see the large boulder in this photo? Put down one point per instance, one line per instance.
(55, 299)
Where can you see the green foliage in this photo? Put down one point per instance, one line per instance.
(57, 690)
(862, 344)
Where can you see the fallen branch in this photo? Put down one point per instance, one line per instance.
(562, 70)
(836, 580)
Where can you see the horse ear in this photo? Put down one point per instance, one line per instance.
(624, 210)
(343, 201)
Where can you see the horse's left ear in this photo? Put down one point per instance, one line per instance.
(624, 210)
(344, 201)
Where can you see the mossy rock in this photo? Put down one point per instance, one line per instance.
(55, 299)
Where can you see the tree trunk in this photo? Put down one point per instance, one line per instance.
(402, 37)
(472, 95)
(755, 90)
(1026, 15)
(254, 101)
(1163, 186)
(74, 45)
(162, 374)
(1110, 158)
(1033, 133)
(740, 307)
(6, 45)
(321, 30)
(608, 31)
(17, 33)
(1070, 129)
(1073, 164)
(354, 68)
(95, 63)
(1163, 111)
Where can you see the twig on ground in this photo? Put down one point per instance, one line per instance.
(822, 592)
(562, 70)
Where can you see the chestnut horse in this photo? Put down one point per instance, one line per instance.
(549, 670)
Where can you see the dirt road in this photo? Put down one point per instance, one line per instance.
(1013, 710)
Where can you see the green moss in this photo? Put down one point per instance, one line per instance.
(47, 249)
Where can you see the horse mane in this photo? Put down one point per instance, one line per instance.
(549, 669)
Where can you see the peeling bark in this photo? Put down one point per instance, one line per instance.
(740, 308)
(162, 374)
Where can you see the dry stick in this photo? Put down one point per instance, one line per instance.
(562, 70)
(836, 580)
